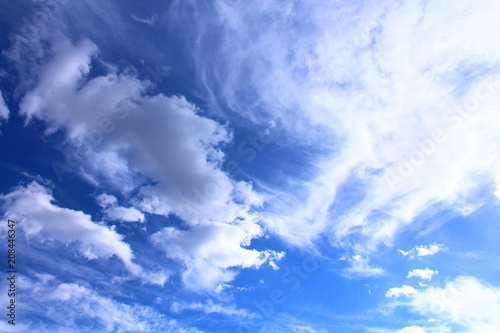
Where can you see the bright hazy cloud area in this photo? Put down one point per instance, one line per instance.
(250, 166)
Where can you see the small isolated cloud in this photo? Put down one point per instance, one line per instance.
(124, 214)
(424, 274)
(360, 267)
(114, 212)
(423, 250)
(149, 20)
(404, 290)
(4, 110)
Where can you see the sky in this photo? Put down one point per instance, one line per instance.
(251, 166)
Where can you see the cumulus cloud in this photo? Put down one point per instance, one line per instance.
(408, 291)
(106, 200)
(112, 211)
(160, 147)
(121, 132)
(209, 250)
(424, 274)
(464, 301)
(34, 208)
(124, 214)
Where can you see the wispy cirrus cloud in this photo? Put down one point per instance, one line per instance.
(70, 305)
(211, 307)
(360, 267)
(406, 119)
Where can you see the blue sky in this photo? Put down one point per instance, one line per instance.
(269, 166)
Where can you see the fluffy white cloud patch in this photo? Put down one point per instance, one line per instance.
(121, 132)
(424, 274)
(125, 138)
(112, 211)
(209, 250)
(464, 301)
(423, 250)
(408, 291)
(34, 208)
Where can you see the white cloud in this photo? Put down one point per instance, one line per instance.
(304, 329)
(412, 329)
(127, 139)
(33, 207)
(112, 211)
(408, 291)
(126, 132)
(423, 250)
(209, 250)
(360, 267)
(151, 20)
(4, 110)
(211, 307)
(464, 301)
(75, 308)
(408, 93)
(124, 214)
(68, 291)
(497, 192)
(424, 274)
(288, 323)
(106, 200)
